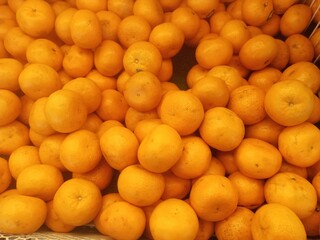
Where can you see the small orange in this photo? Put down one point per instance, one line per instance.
(234, 8)
(160, 149)
(13, 136)
(119, 147)
(254, 30)
(288, 167)
(102, 81)
(289, 189)
(166, 71)
(250, 190)
(54, 223)
(170, 5)
(316, 184)
(206, 230)
(62, 25)
(109, 22)
(6, 177)
(213, 52)
(36, 18)
(26, 104)
(195, 159)
(143, 91)
(174, 218)
(122, 8)
(106, 125)
(222, 129)
(312, 223)
(227, 160)
(92, 123)
(213, 197)
(187, 20)
(80, 151)
(300, 48)
(21, 214)
(151, 10)
(258, 52)
(217, 21)
(85, 29)
(113, 106)
(204, 8)
(272, 26)
(282, 5)
(211, 91)
(277, 221)
(65, 111)
(77, 201)
(144, 126)
(236, 225)
(140, 186)
(258, 159)
(35, 138)
(181, 110)
(142, 56)
(133, 117)
(59, 6)
(204, 30)
(9, 73)
(39, 80)
(175, 187)
(94, 6)
(49, 150)
(133, 28)
(39, 180)
(282, 58)
(289, 102)
(216, 167)
(10, 106)
(265, 78)
(315, 115)
(257, 12)
(195, 73)
(300, 144)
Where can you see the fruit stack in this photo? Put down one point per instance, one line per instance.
(160, 119)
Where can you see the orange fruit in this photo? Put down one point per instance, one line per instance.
(211, 91)
(21, 214)
(39, 180)
(187, 20)
(206, 230)
(77, 201)
(222, 129)
(315, 39)
(250, 190)
(142, 56)
(38, 121)
(276, 221)
(13, 136)
(289, 102)
(234, 8)
(282, 5)
(258, 159)
(133, 28)
(133, 117)
(306, 72)
(216, 167)
(166, 71)
(104, 126)
(80, 151)
(238, 224)
(6, 177)
(170, 5)
(26, 104)
(295, 19)
(44, 51)
(254, 30)
(213, 197)
(121, 220)
(151, 10)
(39, 80)
(143, 91)
(144, 126)
(168, 38)
(59, 6)
(109, 22)
(313, 170)
(181, 110)
(108, 58)
(258, 52)
(119, 147)
(160, 149)
(300, 48)
(65, 111)
(54, 223)
(89, 91)
(113, 106)
(257, 12)
(36, 18)
(85, 29)
(94, 6)
(289, 189)
(300, 144)
(174, 218)
(9, 73)
(248, 103)
(282, 58)
(139, 186)
(10, 106)
(203, 31)
(92, 123)
(265, 77)
(315, 115)
(266, 130)
(217, 21)
(272, 26)
(175, 187)
(195, 73)
(49, 150)
(82, 66)
(312, 223)
(102, 81)
(213, 52)
(101, 175)
(288, 167)
(204, 8)
(235, 31)
(122, 8)
(227, 160)
(62, 25)
(35, 138)
(195, 159)
(316, 184)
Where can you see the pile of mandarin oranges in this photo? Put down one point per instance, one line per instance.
(94, 131)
